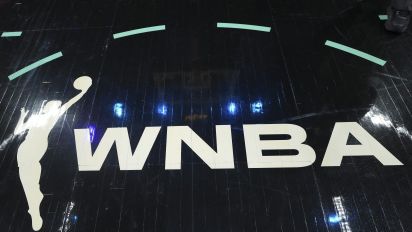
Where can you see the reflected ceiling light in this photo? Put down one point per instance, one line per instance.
(232, 108)
(92, 130)
(341, 214)
(377, 118)
(119, 110)
(334, 219)
(162, 109)
(67, 215)
(257, 107)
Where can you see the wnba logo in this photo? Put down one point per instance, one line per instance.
(39, 126)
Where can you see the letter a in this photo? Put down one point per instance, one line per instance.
(338, 147)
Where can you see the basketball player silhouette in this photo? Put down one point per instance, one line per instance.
(33, 148)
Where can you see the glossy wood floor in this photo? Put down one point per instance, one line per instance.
(196, 74)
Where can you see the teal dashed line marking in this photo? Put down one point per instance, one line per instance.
(139, 31)
(383, 17)
(11, 34)
(244, 27)
(355, 52)
(35, 65)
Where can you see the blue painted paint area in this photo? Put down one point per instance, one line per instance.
(383, 17)
(35, 65)
(244, 27)
(11, 34)
(139, 31)
(355, 52)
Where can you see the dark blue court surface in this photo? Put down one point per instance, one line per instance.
(174, 65)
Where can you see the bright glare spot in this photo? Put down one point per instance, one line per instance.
(334, 219)
(377, 118)
(162, 109)
(232, 108)
(92, 130)
(118, 110)
(403, 131)
(257, 107)
(341, 216)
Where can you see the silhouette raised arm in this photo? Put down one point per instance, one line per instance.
(83, 84)
(71, 102)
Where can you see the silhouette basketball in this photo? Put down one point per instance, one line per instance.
(82, 83)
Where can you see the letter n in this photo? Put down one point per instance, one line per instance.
(222, 159)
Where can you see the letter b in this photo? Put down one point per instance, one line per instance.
(254, 146)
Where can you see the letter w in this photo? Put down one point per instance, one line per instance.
(119, 136)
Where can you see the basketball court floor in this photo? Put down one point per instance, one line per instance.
(200, 65)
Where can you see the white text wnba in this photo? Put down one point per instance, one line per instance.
(222, 158)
